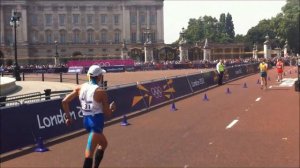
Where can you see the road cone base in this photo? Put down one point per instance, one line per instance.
(41, 150)
(124, 124)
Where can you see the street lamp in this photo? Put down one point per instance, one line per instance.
(15, 21)
(56, 53)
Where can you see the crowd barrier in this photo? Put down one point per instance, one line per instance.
(22, 125)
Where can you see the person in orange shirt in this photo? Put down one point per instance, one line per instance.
(279, 67)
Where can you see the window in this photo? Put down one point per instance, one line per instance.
(143, 37)
(76, 38)
(34, 20)
(48, 19)
(89, 19)
(133, 18)
(62, 36)
(117, 37)
(76, 19)
(103, 36)
(116, 19)
(9, 38)
(143, 19)
(35, 36)
(153, 36)
(133, 37)
(152, 19)
(62, 19)
(103, 19)
(48, 37)
(90, 36)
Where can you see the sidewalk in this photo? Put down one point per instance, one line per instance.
(24, 87)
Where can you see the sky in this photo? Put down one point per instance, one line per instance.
(245, 14)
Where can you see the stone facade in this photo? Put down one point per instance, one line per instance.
(86, 27)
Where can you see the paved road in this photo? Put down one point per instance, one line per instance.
(248, 128)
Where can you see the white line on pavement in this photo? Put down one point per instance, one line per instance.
(232, 124)
(258, 99)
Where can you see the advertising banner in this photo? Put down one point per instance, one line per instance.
(128, 99)
(119, 68)
(16, 128)
(21, 126)
(181, 86)
(197, 82)
(235, 72)
(211, 78)
(157, 92)
(102, 63)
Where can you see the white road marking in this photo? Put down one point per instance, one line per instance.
(270, 87)
(288, 82)
(232, 124)
(258, 99)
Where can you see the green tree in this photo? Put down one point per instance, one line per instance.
(229, 26)
(289, 25)
(285, 26)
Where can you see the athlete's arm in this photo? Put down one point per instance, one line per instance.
(66, 101)
(100, 96)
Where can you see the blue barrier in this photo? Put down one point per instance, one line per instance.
(197, 82)
(20, 126)
(181, 86)
(128, 99)
(156, 92)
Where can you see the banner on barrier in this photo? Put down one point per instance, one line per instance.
(24, 124)
(127, 99)
(197, 82)
(181, 86)
(156, 92)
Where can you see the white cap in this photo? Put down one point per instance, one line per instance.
(95, 70)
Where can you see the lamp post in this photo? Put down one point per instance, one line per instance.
(56, 53)
(14, 21)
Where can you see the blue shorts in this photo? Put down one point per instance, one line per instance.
(263, 74)
(94, 123)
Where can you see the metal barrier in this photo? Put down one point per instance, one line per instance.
(32, 97)
(9, 104)
(23, 96)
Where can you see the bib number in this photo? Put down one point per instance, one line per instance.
(86, 106)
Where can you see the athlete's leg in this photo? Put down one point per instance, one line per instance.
(89, 151)
(100, 150)
(265, 82)
(261, 82)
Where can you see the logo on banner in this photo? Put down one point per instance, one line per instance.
(198, 82)
(157, 92)
(154, 92)
(57, 119)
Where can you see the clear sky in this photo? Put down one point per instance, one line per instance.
(245, 14)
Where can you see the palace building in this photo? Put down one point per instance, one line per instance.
(89, 28)
(56, 31)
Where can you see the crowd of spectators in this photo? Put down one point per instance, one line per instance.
(289, 60)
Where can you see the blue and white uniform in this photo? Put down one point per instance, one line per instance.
(92, 110)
